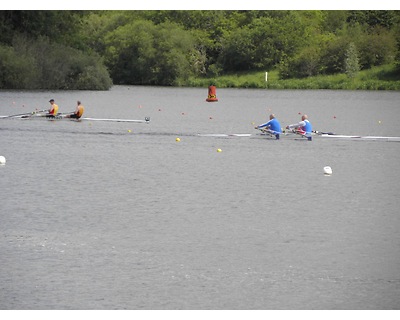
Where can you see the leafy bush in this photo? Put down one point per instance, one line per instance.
(39, 64)
(377, 48)
(143, 53)
(174, 47)
(16, 71)
(305, 64)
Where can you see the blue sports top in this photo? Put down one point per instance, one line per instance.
(273, 125)
(307, 126)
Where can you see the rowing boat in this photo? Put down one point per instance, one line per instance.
(367, 138)
(289, 135)
(224, 135)
(285, 134)
(146, 120)
(67, 117)
(329, 135)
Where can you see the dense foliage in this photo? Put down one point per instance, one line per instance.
(41, 50)
(86, 49)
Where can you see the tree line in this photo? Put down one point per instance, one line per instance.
(95, 49)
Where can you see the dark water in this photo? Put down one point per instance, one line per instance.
(98, 215)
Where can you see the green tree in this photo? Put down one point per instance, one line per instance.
(351, 61)
(40, 64)
(334, 21)
(333, 56)
(377, 48)
(143, 53)
(165, 47)
(305, 64)
(264, 42)
(16, 71)
(373, 18)
(59, 26)
(237, 51)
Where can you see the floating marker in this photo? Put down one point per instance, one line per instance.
(2, 160)
(129, 131)
(219, 150)
(212, 94)
(177, 139)
(327, 171)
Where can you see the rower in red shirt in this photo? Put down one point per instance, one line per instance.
(53, 109)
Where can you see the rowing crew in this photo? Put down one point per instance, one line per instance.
(53, 111)
(273, 127)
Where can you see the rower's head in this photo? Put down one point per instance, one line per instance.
(51, 101)
(78, 102)
(304, 117)
(271, 116)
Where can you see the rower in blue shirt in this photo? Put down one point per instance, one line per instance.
(303, 127)
(272, 127)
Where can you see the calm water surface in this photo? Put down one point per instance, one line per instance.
(98, 215)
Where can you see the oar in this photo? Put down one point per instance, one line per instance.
(23, 114)
(64, 114)
(321, 132)
(272, 133)
(308, 136)
(268, 130)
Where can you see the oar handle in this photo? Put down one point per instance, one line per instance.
(38, 111)
(320, 132)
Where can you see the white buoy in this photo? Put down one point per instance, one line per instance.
(327, 171)
(2, 160)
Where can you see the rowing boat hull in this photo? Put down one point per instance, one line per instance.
(284, 136)
(146, 120)
(364, 138)
(224, 135)
(66, 117)
(293, 136)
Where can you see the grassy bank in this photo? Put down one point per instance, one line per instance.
(377, 78)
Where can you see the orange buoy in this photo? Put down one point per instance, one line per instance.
(212, 95)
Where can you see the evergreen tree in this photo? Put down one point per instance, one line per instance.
(351, 61)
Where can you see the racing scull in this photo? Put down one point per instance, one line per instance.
(66, 116)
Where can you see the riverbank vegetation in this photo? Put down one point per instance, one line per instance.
(377, 78)
(299, 49)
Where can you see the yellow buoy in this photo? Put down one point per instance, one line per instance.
(177, 139)
(129, 130)
(219, 150)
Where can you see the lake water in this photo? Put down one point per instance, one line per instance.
(102, 215)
